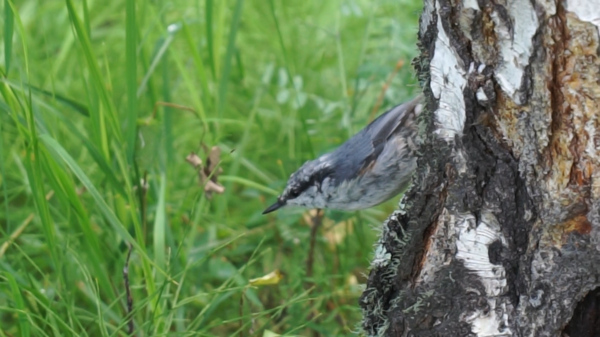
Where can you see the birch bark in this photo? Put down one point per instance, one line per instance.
(500, 233)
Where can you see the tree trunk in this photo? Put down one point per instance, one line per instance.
(500, 233)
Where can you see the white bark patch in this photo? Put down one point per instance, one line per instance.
(426, 17)
(548, 7)
(489, 324)
(441, 248)
(586, 10)
(515, 39)
(459, 158)
(471, 4)
(447, 84)
(472, 244)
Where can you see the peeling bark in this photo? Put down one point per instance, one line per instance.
(500, 233)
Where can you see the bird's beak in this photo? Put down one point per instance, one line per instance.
(277, 205)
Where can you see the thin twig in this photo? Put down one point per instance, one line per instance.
(385, 87)
(130, 326)
(317, 221)
(172, 105)
(17, 232)
(242, 313)
(143, 204)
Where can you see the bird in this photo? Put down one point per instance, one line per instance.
(371, 167)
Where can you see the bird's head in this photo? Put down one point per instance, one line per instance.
(306, 187)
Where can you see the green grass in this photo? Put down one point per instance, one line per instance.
(101, 102)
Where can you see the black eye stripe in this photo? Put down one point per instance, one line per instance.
(315, 179)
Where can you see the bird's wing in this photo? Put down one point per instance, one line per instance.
(361, 151)
(390, 122)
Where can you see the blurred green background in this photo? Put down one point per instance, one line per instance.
(101, 102)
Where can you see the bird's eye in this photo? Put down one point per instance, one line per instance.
(294, 193)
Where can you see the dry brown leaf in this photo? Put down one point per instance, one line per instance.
(213, 187)
(214, 157)
(193, 159)
(211, 169)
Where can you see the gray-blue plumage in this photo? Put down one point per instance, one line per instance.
(358, 152)
(371, 167)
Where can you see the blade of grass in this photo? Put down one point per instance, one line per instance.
(160, 224)
(167, 123)
(88, 290)
(5, 200)
(341, 63)
(289, 73)
(98, 119)
(34, 175)
(240, 149)
(131, 77)
(60, 57)
(361, 56)
(249, 165)
(166, 42)
(209, 37)
(86, 18)
(200, 103)
(75, 105)
(136, 219)
(249, 183)
(92, 149)
(229, 54)
(40, 299)
(22, 34)
(222, 292)
(19, 304)
(109, 173)
(199, 65)
(8, 34)
(13, 102)
(59, 152)
(60, 181)
(33, 167)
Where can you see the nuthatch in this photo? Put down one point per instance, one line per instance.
(371, 167)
